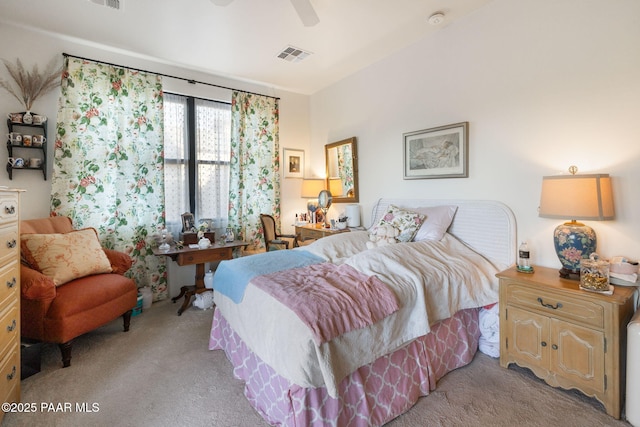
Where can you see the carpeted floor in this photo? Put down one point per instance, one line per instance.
(160, 373)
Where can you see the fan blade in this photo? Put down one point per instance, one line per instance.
(221, 2)
(305, 11)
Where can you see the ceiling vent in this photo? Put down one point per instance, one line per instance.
(113, 4)
(293, 54)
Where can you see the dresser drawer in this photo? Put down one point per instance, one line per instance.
(9, 244)
(10, 375)
(9, 321)
(9, 282)
(8, 207)
(560, 305)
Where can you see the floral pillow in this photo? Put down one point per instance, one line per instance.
(65, 256)
(405, 221)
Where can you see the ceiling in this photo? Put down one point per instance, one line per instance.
(243, 39)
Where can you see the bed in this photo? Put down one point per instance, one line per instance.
(369, 374)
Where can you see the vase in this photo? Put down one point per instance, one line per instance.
(208, 280)
(27, 118)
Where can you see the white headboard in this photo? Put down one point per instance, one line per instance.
(487, 226)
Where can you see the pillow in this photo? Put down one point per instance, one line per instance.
(437, 221)
(405, 221)
(65, 257)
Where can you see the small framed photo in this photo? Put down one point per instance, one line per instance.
(441, 152)
(293, 163)
(188, 222)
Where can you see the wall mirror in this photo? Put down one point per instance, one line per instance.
(342, 170)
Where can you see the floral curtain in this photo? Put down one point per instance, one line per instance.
(255, 165)
(108, 161)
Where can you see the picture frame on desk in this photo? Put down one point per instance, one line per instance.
(188, 222)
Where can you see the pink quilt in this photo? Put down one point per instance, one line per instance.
(330, 299)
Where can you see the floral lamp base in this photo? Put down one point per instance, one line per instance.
(573, 242)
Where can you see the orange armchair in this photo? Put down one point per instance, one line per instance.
(58, 314)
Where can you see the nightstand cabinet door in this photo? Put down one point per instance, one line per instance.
(578, 355)
(528, 337)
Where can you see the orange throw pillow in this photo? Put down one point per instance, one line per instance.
(65, 257)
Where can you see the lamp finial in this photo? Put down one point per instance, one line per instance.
(573, 169)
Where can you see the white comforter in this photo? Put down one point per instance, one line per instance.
(432, 280)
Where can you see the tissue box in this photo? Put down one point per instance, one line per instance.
(191, 238)
(623, 268)
(138, 308)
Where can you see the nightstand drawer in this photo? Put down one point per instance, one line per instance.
(561, 306)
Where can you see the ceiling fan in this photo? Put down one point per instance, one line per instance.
(303, 8)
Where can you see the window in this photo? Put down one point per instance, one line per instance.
(197, 149)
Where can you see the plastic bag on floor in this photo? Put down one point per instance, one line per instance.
(203, 300)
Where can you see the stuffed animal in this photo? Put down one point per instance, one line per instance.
(382, 235)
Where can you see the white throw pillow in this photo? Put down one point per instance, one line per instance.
(437, 221)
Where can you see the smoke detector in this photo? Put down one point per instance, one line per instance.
(436, 19)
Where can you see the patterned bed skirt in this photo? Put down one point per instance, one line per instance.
(372, 395)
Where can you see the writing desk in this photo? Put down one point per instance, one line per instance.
(198, 257)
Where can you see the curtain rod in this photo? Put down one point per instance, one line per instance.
(191, 81)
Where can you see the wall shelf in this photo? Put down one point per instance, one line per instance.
(18, 149)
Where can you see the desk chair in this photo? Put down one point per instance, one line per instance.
(272, 237)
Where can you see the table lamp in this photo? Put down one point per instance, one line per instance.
(335, 187)
(584, 197)
(311, 187)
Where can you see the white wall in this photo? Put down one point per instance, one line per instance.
(38, 48)
(544, 85)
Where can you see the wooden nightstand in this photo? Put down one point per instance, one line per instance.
(306, 232)
(568, 337)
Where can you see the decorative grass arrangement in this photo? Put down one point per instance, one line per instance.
(31, 85)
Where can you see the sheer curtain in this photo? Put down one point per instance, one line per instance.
(213, 152)
(205, 161)
(255, 164)
(176, 158)
(108, 161)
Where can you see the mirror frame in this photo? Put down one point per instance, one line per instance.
(354, 154)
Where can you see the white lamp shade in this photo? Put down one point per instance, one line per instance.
(312, 187)
(585, 197)
(335, 187)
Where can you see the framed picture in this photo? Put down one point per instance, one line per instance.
(441, 152)
(293, 163)
(188, 222)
